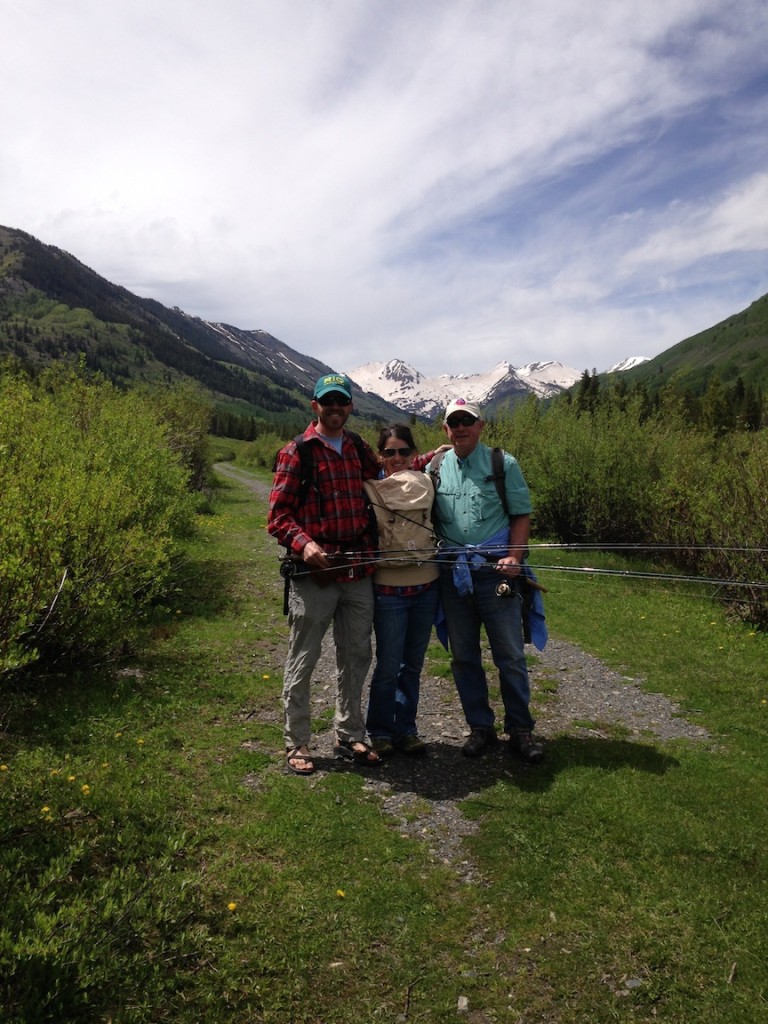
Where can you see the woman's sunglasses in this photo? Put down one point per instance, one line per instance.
(464, 419)
(391, 453)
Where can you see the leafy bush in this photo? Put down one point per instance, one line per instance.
(714, 509)
(186, 414)
(260, 453)
(92, 502)
(591, 476)
(619, 476)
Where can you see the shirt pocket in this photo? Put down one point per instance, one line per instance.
(484, 501)
(447, 505)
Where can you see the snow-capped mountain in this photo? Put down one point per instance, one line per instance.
(547, 379)
(627, 364)
(400, 384)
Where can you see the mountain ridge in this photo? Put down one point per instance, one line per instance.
(53, 307)
(403, 385)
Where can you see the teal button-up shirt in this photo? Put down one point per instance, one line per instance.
(467, 507)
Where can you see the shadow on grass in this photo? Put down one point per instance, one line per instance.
(206, 588)
(55, 700)
(446, 775)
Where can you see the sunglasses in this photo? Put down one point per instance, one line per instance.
(464, 419)
(391, 453)
(327, 400)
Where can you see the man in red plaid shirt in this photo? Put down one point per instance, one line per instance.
(332, 519)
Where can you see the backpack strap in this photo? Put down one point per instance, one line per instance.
(360, 446)
(434, 468)
(497, 463)
(307, 462)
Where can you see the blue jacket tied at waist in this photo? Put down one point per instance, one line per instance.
(472, 556)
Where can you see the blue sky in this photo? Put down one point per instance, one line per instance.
(449, 182)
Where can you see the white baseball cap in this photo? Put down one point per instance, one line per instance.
(462, 405)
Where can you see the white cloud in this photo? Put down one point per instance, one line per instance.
(440, 181)
(734, 222)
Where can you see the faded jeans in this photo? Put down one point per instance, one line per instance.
(501, 617)
(311, 609)
(403, 626)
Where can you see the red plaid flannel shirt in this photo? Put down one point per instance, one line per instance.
(335, 513)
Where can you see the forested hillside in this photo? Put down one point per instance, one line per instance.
(54, 308)
(735, 349)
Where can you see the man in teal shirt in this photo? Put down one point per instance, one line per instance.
(484, 542)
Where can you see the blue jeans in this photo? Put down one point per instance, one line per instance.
(502, 619)
(403, 626)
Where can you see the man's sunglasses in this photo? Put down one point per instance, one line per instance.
(337, 399)
(464, 419)
(391, 453)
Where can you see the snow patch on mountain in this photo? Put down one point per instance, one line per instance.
(627, 364)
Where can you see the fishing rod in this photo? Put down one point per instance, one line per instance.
(638, 575)
(635, 546)
(441, 546)
(290, 567)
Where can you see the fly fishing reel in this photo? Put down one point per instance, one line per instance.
(289, 568)
(506, 589)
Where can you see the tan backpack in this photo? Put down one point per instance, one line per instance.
(402, 504)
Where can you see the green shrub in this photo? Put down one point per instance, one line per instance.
(260, 453)
(92, 503)
(617, 476)
(591, 476)
(186, 415)
(714, 508)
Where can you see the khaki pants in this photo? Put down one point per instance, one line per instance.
(311, 609)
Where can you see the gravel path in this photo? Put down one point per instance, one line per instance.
(575, 695)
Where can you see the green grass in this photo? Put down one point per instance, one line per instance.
(194, 881)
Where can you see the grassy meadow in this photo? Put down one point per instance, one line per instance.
(157, 864)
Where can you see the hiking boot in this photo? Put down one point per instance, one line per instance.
(383, 746)
(478, 740)
(524, 743)
(412, 745)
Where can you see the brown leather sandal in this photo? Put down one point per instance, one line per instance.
(296, 755)
(344, 750)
